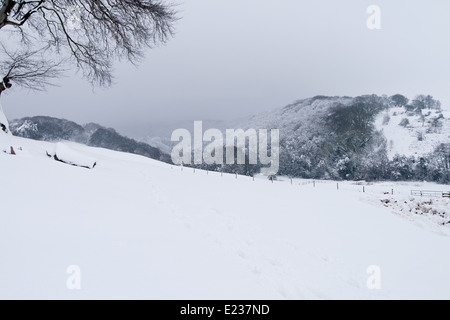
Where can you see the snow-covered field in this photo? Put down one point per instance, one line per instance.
(138, 228)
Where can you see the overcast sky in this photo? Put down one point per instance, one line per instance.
(233, 58)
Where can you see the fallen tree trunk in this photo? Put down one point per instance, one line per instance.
(66, 155)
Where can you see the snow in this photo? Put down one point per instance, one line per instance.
(5, 137)
(66, 154)
(138, 228)
(27, 126)
(404, 141)
(3, 119)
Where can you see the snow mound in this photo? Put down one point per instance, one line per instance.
(65, 154)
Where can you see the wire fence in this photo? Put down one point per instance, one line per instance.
(362, 187)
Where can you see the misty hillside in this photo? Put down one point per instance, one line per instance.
(94, 135)
(344, 138)
(363, 138)
(423, 129)
(368, 138)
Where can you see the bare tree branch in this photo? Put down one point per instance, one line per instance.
(92, 32)
(16, 13)
(28, 68)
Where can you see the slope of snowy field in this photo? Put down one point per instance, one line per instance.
(405, 140)
(138, 228)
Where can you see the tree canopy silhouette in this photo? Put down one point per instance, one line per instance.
(89, 33)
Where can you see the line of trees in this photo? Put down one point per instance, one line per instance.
(418, 104)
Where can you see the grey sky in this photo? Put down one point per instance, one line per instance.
(233, 58)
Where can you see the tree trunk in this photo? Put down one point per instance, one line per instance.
(2, 88)
(5, 134)
(5, 84)
(4, 11)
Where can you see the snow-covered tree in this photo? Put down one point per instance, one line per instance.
(399, 100)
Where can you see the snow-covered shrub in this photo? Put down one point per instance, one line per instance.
(420, 136)
(404, 123)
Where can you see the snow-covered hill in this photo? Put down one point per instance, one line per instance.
(368, 137)
(418, 135)
(92, 134)
(363, 138)
(138, 228)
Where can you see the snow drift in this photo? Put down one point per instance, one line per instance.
(63, 153)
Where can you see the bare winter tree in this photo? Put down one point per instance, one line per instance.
(27, 68)
(92, 32)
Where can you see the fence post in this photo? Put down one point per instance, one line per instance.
(364, 189)
(314, 184)
(338, 186)
(392, 191)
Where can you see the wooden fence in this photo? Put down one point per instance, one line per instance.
(427, 193)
